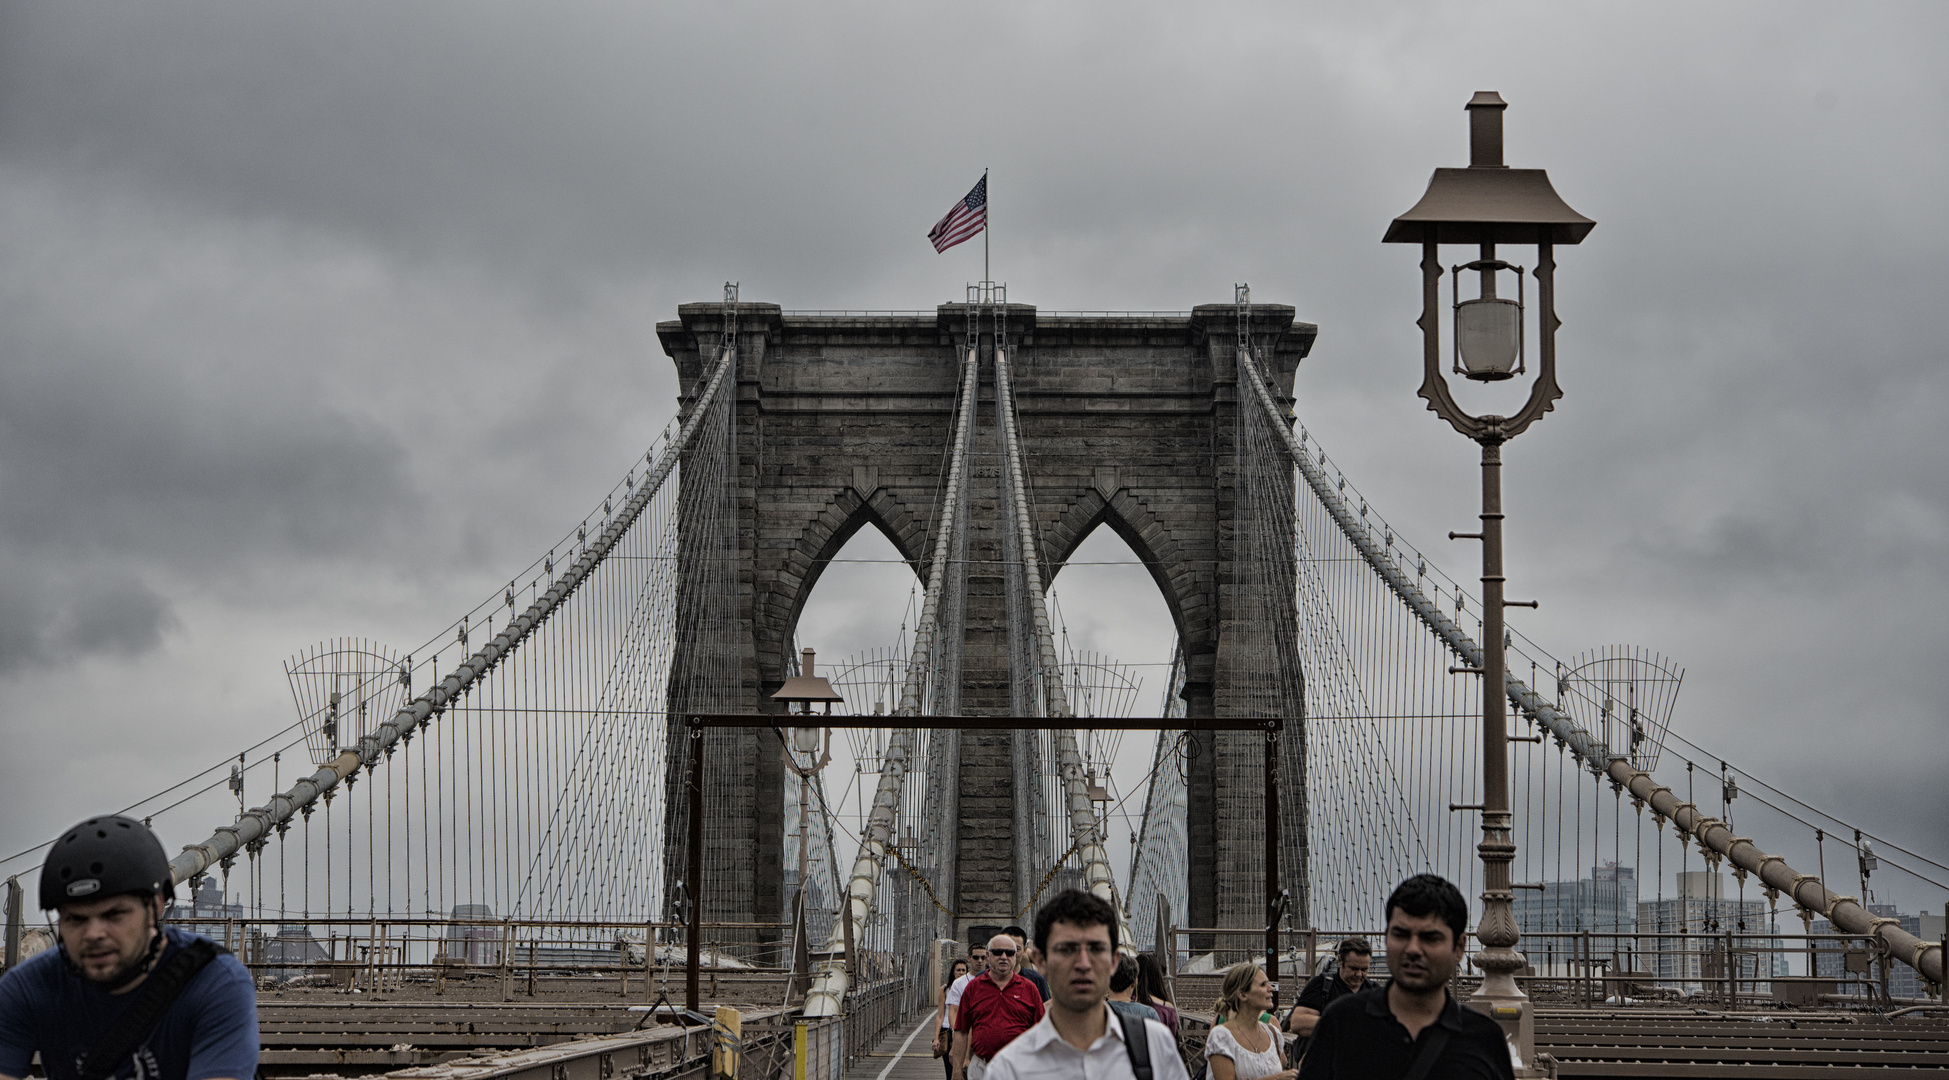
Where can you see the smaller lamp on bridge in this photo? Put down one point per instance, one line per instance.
(803, 689)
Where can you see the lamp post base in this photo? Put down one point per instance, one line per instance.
(1518, 1021)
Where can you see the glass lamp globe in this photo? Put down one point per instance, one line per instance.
(1489, 337)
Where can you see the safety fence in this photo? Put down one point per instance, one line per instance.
(744, 1042)
(522, 957)
(1703, 965)
(792, 1046)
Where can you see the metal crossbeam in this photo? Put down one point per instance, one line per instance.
(999, 723)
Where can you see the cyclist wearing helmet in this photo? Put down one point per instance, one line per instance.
(124, 996)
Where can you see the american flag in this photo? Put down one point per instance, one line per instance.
(968, 217)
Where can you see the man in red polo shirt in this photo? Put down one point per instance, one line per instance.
(994, 1009)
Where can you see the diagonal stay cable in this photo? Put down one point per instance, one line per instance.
(253, 825)
(1806, 890)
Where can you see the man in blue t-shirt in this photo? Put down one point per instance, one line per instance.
(110, 880)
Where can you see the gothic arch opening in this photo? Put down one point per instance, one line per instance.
(860, 605)
(1105, 601)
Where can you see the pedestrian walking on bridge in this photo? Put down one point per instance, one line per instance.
(1080, 1038)
(1413, 1028)
(1242, 1046)
(994, 1010)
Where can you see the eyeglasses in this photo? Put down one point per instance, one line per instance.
(1068, 949)
(1001, 952)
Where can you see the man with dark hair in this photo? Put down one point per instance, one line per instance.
(1123, 990)
(1080, 1036)
(1414, 1026)
(1028, 964)
(125, 995)
(1352, 960)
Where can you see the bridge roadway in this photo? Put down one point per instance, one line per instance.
(487, 1040)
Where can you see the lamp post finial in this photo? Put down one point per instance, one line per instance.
(1485, 130)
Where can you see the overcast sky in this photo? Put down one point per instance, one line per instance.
(324, 319)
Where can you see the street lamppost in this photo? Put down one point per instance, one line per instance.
(803, 690)
(1488, 204)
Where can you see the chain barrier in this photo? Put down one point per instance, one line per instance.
(1050, 876)
(926, 885)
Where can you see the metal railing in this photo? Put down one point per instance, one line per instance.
(530, 957)
(759, 1043)
(1588, 967)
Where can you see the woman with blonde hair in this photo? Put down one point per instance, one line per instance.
(1243, 1047)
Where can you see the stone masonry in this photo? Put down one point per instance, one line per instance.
(1127, 422)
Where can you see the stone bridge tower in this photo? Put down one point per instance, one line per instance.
(1127, 421)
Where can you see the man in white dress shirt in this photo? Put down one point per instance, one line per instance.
(1078, 1038)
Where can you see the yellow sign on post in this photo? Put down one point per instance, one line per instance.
(727, 1038)
(798, 1051)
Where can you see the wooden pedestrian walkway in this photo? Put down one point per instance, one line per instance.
(907, 1053)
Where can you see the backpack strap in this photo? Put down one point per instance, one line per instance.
(158, 992)
(1136, 1043)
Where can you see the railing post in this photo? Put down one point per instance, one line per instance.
(1732, 974)
(14, 923)
(506, 960)
(695, 888)
(1271, 753)
(1586, 962)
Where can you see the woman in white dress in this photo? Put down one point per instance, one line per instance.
(1242, 1046)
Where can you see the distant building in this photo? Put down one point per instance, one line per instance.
(1553, 919)
(1829, 959)
(209, 912)
(292, 953)
(1702, 908)
(208, 902)
(474, 936)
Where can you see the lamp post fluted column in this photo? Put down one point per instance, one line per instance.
(1497, 932)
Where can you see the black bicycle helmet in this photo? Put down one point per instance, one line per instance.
(105, 856)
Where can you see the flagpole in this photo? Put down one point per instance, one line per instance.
(988, 226)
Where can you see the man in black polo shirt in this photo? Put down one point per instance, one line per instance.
(1352, 960)
(1413, 1027)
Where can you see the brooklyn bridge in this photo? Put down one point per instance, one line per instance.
(592, 825)
(558, 834)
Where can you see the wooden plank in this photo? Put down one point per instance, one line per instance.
(916, 1063)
